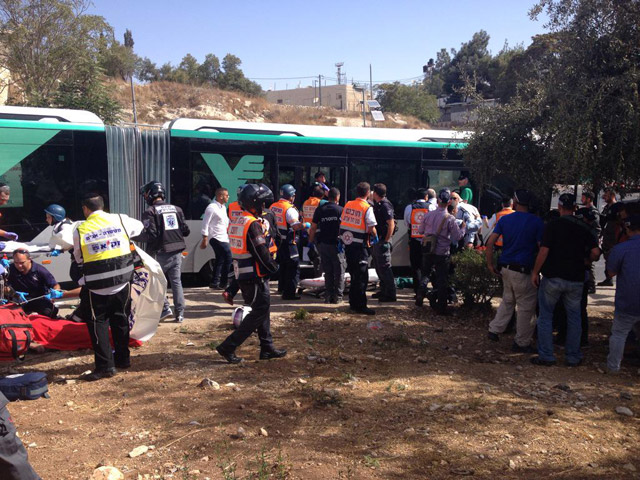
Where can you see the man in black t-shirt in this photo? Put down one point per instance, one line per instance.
(383, 211)
(325, 228)
(566, 242)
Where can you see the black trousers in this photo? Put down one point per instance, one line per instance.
(289, 261)
(441, 265)
(14, 464)
(415, 260)
(255, 295)
(358, 267)
(109, 311)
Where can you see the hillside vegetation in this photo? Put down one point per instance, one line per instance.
(159, 102)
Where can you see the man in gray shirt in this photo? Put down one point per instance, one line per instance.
(443, 225)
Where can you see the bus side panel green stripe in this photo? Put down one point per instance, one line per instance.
(16, 145)
(19, 124)
(314, 140)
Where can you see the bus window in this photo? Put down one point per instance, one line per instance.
(439, 179)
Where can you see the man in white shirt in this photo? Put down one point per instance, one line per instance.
(215, 224)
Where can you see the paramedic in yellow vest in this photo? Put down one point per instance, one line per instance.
(289, 225)
(357, 225)
(101, 248)
(253, 262)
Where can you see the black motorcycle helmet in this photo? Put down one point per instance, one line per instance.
(254, 196)
(153, 190)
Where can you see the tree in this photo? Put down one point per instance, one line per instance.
(574, 114)
(45, 41)
(146, 70)
(189, 66)
(233, 78)
(410, 100)
(86, 91)
(209, 71)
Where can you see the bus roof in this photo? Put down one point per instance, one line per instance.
(50, 115)
(314, 131)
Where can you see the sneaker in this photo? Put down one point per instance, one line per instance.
(376, 295)
(493, 337)
(227, 297)
(607, 282)
(166, 314)
(544, 363)
(519, 349)
(180, 319)
(573, 364)
(98, 374)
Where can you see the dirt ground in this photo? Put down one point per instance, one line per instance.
(419, 397)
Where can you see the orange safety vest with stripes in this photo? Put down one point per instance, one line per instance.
(245, 267)
(280, 209)
(499, 215)
(234, 211)
(309, 208)
(418, 211)
(353, 228)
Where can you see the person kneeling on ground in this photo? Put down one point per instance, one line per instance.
(35, 280)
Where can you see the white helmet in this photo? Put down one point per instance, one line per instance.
(239, 315)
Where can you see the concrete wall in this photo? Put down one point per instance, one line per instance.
(340, 97)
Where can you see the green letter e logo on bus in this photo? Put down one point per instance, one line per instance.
(250, 167)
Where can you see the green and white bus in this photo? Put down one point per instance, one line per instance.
(55, 156)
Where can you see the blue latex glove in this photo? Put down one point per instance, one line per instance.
(307, 225)
(11, 236)
(4, 301)
(373, 240)
(340, 247)
(55, 253)
(2, 245)
(22, 296)
(53, 294)
(4, 262)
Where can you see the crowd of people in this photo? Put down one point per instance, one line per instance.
(546, 265)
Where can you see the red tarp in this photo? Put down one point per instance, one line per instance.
(64, 334)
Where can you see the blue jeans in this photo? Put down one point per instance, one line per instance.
(171, 264)
(622, 324)
(222, 265)
(552, 291)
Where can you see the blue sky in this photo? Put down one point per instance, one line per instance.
(278, 40)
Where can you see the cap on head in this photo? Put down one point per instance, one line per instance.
(56, 211)
(444, 195)
(287, 191)
(523, 197)
(632, 222)
(567, 200)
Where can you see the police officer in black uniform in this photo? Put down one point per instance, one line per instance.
(383, 211)
(252, 263)
(14, 464)
(164, 231)
(590, 214)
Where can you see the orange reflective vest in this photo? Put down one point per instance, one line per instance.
(245, 266)
(279, 210)
(309, 208)
(418, 211)
(353, 228)
(234, 211)
(499, 215)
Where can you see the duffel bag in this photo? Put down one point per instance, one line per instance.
(16, 333)
(25, 386)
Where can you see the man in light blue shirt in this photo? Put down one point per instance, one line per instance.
(624, 262)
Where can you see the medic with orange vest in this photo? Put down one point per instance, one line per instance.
(414, 213)
(253, 262)
(357, 228)
(289, 225)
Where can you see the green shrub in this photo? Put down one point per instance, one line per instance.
(473, 280)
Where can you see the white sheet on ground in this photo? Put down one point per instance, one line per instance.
(313, 283)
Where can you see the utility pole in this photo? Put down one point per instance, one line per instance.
(320, 90)
(339, 65)
(128, 43)
(370, 82)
